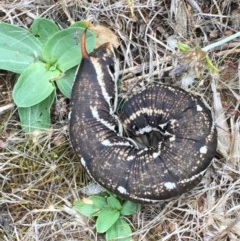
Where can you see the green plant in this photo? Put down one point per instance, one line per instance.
(109, 213)
(45, 59)
(197, 58)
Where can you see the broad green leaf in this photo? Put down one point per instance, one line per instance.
(14, 61)
(85, 209)
(63, 49)
(37, 117)
(114, 203)
(43, 29)
(82, 24)
(120, 231)
(106, 219)
(98, 201)
(18, 48)
(129, 208)
(65, 83)
(34, 85)
(90, 206)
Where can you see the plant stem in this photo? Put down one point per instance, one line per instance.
(221, 42)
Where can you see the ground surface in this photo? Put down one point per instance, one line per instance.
(40, 176)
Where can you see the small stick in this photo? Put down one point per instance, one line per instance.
(83, 45)
(6, 107)
(221, 42)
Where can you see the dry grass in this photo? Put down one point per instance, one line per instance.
(40, 176)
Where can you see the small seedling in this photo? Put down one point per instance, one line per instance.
(45, 57)
(197, 58)
(110, 215)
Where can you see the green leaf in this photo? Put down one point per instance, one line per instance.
(183, 47)
(211, 65)
(114, 203)
(18, 48)
(14, 61)
(43, 29)
(82, 24)
(90, 206)
(85, 209)
(63, 49)
(34, 85)
(129, 208)
(120, 231)
(106, 218)
(98, 201)
(37, 117)
(65, 83)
